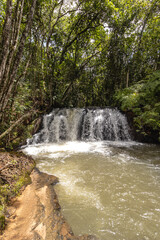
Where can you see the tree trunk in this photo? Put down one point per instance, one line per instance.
(5, 39)
(13, 50)
(127, 80)
(20, 120)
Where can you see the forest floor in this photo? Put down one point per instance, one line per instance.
(14, 165)
(35, 214)
(15, 169)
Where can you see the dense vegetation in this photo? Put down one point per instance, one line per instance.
(15, 169)
(142, 99)
(60, 53)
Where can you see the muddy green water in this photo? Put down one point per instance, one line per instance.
(110, 189)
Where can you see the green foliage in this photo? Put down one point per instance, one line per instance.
(14, 176)
(4, 193)
(2, 219)
(8, 191)
(2, 13)
(22, 180)
(79, 53)
(142, 99)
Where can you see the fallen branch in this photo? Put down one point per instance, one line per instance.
(5, 180)
(7, 166)
(20, 120)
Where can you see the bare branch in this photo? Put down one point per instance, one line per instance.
(20, 120)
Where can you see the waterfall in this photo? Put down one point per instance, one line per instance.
(82, 124)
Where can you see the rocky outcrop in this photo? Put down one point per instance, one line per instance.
(36, 214)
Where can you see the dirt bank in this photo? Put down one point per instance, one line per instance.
(15, 168)
(36, 215)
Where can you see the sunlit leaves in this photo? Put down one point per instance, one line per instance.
(2, 13)
(143, 100)
(84, 50)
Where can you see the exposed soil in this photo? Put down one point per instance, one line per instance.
(36, 213)
(15, 169)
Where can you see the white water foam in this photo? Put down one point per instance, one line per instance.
(82, 124)
(72, 147)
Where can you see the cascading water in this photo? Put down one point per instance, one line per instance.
(82, 124)
(108, 184)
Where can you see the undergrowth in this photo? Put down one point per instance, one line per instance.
(15, 169)
(142, 98)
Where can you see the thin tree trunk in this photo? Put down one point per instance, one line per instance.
(9, 79)
(5, 39)
(127, 80)
(66, 92)
(15, 33)
(68, 44)
(151, 11)
(20, 120)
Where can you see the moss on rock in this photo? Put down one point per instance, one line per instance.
(15, 169)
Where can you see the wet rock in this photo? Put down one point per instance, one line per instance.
(43, 179)
(37, 214)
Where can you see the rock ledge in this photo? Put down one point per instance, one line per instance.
(36, 214)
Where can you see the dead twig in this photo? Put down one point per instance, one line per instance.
(7, 166)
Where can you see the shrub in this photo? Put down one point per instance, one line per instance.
(142, 99)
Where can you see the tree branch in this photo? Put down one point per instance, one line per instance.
(20, 120)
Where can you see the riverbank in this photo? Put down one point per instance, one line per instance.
(15, 169)
(36, 213)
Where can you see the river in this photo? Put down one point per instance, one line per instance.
(107, 188)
